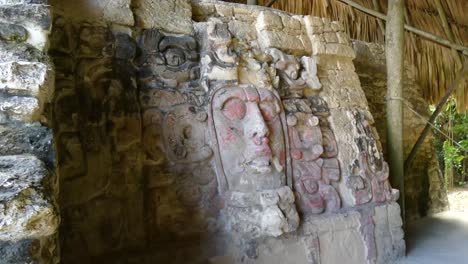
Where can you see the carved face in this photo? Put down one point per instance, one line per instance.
(248, 124)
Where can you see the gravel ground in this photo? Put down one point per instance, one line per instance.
(458, 199)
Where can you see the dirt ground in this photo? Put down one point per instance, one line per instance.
(458, 199)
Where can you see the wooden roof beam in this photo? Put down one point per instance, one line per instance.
(424, 34)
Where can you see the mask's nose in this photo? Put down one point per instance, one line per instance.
(256, 127)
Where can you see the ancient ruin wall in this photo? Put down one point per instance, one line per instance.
(195, 132)
(424, 184)
(28, 185)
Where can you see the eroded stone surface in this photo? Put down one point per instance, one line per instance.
(176, 18)
(26, 210)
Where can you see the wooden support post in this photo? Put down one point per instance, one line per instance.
(394, 51)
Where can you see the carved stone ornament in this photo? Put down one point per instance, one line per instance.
(249, 127)
(168, 61)
(312, 174)
(370, 179)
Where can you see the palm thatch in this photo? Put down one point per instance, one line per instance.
(437, 65)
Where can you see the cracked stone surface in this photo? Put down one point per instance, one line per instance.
(25, 210)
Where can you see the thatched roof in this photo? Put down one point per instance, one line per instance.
(437, 65)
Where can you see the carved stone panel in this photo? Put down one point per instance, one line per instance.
(248, 126)
(314, 167)
(370, 179)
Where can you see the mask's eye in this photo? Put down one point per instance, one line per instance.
(174, 57)
(269, 110)
(234, 109)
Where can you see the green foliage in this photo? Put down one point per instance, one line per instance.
(452, 156)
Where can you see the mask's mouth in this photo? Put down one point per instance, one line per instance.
(261, 164)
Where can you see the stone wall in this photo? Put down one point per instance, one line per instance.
(209, 132)
(424, 184)
(28, 186)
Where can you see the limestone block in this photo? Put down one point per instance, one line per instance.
(11, 51)
(26, 210)
(12, 32)
(336, 26)
(43, 250)
(117, 11)
(24, 78)
(173, 16)
(242, 30)
(201, 10)
(340, 50)
(19, 108)
(330, 37)
(224, 10)
(245, 13)
(282, 41)
(16, 139)
(282, 32)
(291, 22)
(338, 238)
(98, 11)
(36, 19)
(313, 21)
(269, 21)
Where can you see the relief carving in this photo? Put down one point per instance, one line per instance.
(249, 127)
(289, 70)
(168, 61)
(314, 169)
(184, 135)
(370, 179)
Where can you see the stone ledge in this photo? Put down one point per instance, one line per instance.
(26, 210)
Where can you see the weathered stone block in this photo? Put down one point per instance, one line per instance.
(43, 250)
(35, 18)
(269, 21)
(26, 209)
(19, 108)
(330, 37)
(340, 50)
(16, 139)
(99, 12)
(177, 16)
(24, 78)
(12, 32)
(282, 41)
(11, 51)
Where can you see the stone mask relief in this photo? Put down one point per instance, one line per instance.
(248, 125)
